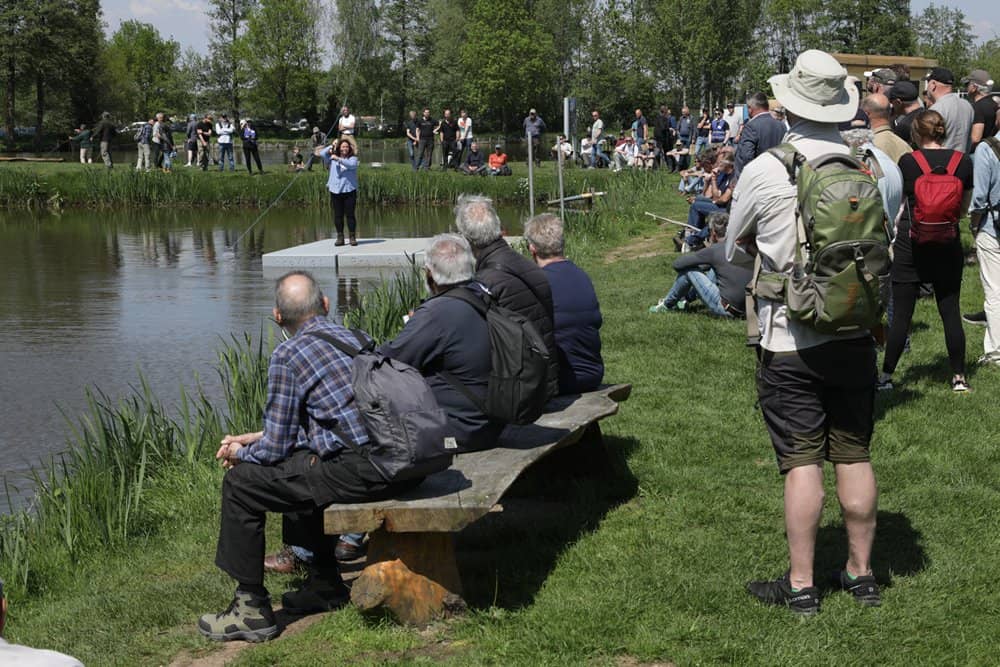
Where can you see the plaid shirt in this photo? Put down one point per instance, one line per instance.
(308, 393)
(145, 134)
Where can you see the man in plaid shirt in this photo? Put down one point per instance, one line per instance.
(296, 466)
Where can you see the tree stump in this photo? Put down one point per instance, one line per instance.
(411, 598)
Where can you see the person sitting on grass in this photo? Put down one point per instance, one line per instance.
(498, 163)
(297, 163)
(474, 163)
(673, 158)
(576, 311)
(296, 466)
(647, 157)
(693, 180)
(625, 154)
(718, 193)
(708, 276)
(562, 144)
(13, 655)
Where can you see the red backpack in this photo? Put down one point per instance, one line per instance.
(938, 196)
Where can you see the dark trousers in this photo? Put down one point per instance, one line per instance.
(904, 300)
(248, 152)
(425, 151)
(343, 205)
(155, 155)
(299, 488)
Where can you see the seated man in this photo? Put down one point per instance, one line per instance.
(448, 336)
(565, 146)
(625, 154)
(708, 276)
(296, 467)
(14, 655)
(513, 279)
(576, 309)
(498, 163)
(693, 180)
(646, 159)
(297, 163)
(673, 158)
(718, 193)
(474, 163)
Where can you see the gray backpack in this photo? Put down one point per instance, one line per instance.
(408, 429)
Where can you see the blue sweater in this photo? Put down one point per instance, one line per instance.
(577, 327)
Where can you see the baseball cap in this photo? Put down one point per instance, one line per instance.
(941, 75)
(882, 75)
(904, 91)
(532, 111)
(978, 76)
(497, 146)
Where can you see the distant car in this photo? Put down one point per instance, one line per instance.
(301, 126)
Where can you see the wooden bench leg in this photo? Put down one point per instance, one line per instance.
(412, 575)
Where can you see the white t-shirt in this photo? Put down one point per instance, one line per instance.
(14, 655)
(596, 130)
(225, 132)
(735, 121)
(464, 129)
(345, 124)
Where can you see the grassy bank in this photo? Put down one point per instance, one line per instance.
(92, 186)
(602, 571)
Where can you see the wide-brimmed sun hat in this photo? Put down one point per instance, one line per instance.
(815, 89)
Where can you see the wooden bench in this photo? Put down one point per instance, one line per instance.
(418, 528)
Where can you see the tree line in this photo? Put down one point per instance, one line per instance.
(286, 59)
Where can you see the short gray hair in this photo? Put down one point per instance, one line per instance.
(476, 220)
(758, 101)
(449, 260)
(718, 223)
(545, 232)
(296, 306)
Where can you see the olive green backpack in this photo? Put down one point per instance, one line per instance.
(842, 246)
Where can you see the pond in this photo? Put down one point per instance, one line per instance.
(92, 298)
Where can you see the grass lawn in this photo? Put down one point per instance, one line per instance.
(605, 570)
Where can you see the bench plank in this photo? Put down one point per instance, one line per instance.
(450, 500)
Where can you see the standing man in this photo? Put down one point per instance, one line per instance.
(978, 86)
(143, 138)
(719, 130)
(81, 137)
(662, 130)
(412, 138)
(957, 113)
(464, 134)
(905, 101)
(106, 132)
(685, 134)
(986, 200)
(734, 121)
(296, 466)
(876, 105)
(596, 136)
(224, 130)
(448, 129)
(816, 391)
(639, 128)
(204, 132)
(156, 142)
(191, 139)
(533, 128)
(760, 134)
(346, 123)
(881, 81)
(318, 140)
(426, 128)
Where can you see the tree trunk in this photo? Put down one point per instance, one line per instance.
(8, 111)
(39, 111)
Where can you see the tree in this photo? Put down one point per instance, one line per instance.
(13, 14)
(279, 47)
(942, 33)
(226, 66)
(864, 26)
(150, 65)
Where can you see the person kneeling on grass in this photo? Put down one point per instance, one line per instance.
(295, 467)
(707, 275)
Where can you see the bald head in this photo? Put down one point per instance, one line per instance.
(876, 106)
(297, 298)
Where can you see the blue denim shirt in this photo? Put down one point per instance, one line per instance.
(986, 185)
(343, 173)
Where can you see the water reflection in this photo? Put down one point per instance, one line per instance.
(91, 298)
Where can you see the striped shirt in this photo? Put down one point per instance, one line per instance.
(308, 394)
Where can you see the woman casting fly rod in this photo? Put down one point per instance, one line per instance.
(339, 158)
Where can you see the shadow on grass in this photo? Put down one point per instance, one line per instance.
(898, 549)
(505, 557)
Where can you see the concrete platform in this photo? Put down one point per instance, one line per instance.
(368, 255)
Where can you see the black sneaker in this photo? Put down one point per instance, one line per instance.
(863, 588)
(979, 319)
(316, 595)
(803, 602)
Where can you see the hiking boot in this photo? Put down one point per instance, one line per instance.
(345, 551)
(353, 239)
(979, 319)
(884, 383)
(803, 602)
(318, 594)
(248, 618)
(340, 240)
(863, 588)
(282, 562)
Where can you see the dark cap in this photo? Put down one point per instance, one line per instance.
(941, 75)
(904, 91)
(979, 77)
(884, 76)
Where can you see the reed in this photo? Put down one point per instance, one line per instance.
(380, 311)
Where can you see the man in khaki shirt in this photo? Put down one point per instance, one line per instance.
(877, 107)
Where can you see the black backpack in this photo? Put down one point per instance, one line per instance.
(407, 427)
(517, 388)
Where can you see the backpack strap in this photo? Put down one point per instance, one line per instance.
(791, 158)
(993, 143)
(339, 344)
(460, 293)
(918, 157)
(953, 163)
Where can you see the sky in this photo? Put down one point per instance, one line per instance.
(186, 22)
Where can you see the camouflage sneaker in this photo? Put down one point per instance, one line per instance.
(248, 617)
(318, 594)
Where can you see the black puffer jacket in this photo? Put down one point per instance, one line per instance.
(521, 286)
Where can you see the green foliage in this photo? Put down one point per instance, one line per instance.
(149, 65)
(943, 33)
(227, 68)
(380, 312)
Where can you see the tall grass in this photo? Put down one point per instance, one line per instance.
(380, 311)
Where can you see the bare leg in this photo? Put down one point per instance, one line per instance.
(858, 497)
(803, 507)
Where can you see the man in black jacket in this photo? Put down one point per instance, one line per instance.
(516, 282)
